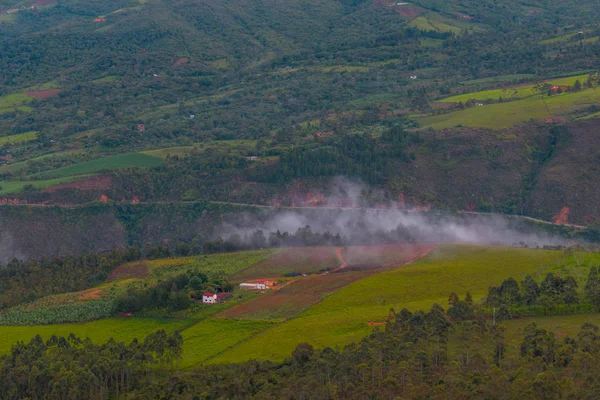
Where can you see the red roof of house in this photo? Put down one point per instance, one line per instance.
(208, 294)
(260, 281)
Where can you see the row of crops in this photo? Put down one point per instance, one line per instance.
(58, 314)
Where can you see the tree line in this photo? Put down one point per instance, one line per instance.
(416, 355)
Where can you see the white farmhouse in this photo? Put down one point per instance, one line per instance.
(258, 285)
(209, 298)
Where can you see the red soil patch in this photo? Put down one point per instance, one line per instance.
(562, 217)
(302, 260)
(128, 272)
(92, 183)
(44, 94)
(364, 258)
(179, 61)
(408, 11)
(293, 298)
(101, 19)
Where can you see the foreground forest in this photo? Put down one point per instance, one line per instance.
(408, 358)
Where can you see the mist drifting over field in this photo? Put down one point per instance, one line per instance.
(361, 225)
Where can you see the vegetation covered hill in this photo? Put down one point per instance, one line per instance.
(312, 90)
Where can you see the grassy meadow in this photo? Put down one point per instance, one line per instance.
(505, 115)
(213, 336)
(19, 138)
(127, 160)
(125, 329)
(10, 187)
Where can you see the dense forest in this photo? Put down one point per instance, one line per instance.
(409, 358)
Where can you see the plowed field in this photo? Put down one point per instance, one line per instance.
(293, 298)
(308, 260)
(361, 258)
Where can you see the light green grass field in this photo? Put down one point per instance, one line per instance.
(43, 86)
(18, 186)
(125, 329)
(422, 23)
(429, 42)
(559, 39)
(212, 336)
(519, 92)
(127, 160)
(107, 79)
(10, 18)
(228, 263)
(505, 115)
(561, 325)
(15, 99)
(499, 79)
(19, 138)
(343, 316)
(172, 151)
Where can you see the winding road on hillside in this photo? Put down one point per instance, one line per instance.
(541, 221)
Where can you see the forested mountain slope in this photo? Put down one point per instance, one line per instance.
(266, 101)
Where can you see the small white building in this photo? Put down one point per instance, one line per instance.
(209, 298)
(258, 285)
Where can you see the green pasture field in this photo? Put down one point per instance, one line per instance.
(15, 99)
(125, 329)
(43, 86)
(212, 336)
(422, 23)
(10, 18)
(127, 160)
(559, 39)
(238, 145)
(499, 79)
(561, 325)
(14, 167)
(519, 92)
(429, 42)
(19, 138)
(9, 187)
(228, 263)
(107, 79)
(172, 151)
(505, 115)
(342, 317)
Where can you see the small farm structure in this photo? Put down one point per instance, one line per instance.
(212, 298)
(257, 285)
